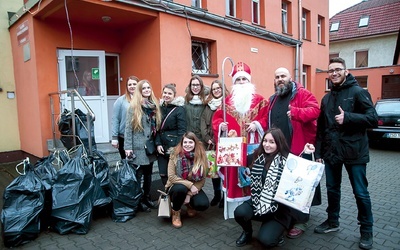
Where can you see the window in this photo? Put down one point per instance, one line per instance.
(333, 55)
(364, 20)
(200, 57)
(304, 75)
(362, 81)
(196, 3)
(284, 17)
(321, 30)
(256, 12)
(361, 59)
(305, 24)
(231, 8)
(334, 26)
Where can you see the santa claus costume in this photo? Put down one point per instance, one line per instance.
(242, 107)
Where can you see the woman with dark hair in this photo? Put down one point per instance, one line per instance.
(186, 177)
(195, 102)
(266, 164)
(142, 122)
(120, 109)
(173, 126)
(213, 103)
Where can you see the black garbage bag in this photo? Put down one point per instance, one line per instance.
(46, 172)
(65, 128)
(100, 168)
(73, 196)
(23, 201)
(125, 191)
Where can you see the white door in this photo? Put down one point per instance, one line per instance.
(85, 71)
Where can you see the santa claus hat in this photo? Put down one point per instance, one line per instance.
(239, 70)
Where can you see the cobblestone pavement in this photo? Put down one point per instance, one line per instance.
(208, 230)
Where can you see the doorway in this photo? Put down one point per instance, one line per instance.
(85, 70)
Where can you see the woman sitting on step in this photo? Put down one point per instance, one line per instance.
(186, 178)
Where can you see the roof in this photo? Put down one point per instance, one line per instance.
(383, 19)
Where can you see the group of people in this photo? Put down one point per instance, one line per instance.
(290, 121)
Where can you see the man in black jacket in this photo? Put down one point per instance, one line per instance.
(346, 112)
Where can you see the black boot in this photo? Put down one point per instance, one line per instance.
(143, 208)
(221, 202)
(148, 202)
(216, 199)
(244, 238)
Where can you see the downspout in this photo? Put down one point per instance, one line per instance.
(299, 66)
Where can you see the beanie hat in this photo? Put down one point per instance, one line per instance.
(239, 70)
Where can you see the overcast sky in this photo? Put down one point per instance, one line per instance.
(338, 5)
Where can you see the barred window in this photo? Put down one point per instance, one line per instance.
(200, 57)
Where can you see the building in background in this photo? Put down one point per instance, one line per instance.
(59, 45)
(9, 134)
(366, 35)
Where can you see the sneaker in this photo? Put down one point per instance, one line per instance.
(327, 227)
(366, 241)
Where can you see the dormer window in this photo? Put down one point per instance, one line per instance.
(364, 20)
(334, 26)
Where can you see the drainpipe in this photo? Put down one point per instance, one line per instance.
(299, 64)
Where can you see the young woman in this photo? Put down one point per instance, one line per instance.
(267, 165)
(186, 177)
(120, 109)
(213, 102)
(173, 126)
(194, 104)
(142, 122)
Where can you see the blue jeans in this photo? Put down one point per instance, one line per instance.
(359, 183)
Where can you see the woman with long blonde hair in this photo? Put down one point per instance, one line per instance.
(142, 122)
(186, 177)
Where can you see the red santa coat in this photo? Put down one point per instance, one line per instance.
(236, 121)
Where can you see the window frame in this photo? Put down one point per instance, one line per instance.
(361, 80)
(255, 21)
(364, 21)
(305, 24)
(230, 6)
(204, 56)
(356, 59)
(334, 27)
(284, 16)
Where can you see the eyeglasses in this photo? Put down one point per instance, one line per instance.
(337, 70)
(215, 89)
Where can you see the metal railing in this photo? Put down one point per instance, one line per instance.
(71, 93)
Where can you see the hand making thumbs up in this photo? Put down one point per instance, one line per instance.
(340, 117)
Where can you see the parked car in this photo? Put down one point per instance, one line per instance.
(388, 131)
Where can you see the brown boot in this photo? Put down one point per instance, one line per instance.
(190, 211)
(176, 218)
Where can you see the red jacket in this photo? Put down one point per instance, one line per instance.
(304, 113)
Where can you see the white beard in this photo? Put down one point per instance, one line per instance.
(242, 97)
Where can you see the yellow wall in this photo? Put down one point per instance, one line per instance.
(9, 134)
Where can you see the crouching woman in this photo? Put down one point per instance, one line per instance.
(267, 163)
(186, 178)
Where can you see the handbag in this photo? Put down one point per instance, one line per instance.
(299, 180)
(150, 146)
(164, 205)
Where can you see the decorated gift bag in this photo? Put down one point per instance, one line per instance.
(232, 152)
(299, 179)
(212, 170)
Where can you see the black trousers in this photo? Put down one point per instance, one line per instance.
(145, 171)
(178, 195)
(121, 150)
(270, 231)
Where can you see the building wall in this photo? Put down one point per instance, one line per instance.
(158, 49)
(380, 50)
(9, 138)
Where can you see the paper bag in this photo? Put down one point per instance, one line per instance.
(232, 151)
(297, 185)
